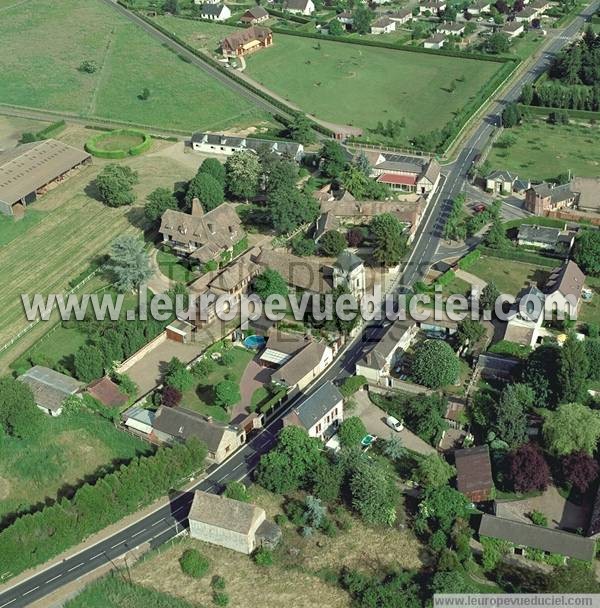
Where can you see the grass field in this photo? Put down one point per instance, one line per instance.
(46, 74)
(70, 448)
(374, 84)
(542, 151)
(72, 229)
(170, 265)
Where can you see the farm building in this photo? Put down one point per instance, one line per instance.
(215, 143)
(405, 173)
(50, 388)
(246, 41)
(30, 170)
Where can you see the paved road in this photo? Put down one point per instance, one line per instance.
(166, 522)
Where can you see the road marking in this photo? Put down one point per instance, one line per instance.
(31, 591)
(117, 544)
(97, 555)
(10, 602)
(137, 533)
(154, 524)
(53, 579)
(180, 509)
(75, 567)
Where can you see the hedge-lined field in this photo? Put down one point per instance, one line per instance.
(355, 84)
(119, 144)
(47, 75)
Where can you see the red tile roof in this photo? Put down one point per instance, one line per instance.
(107, 392)
(392, 178)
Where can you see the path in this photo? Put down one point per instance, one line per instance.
(470, 278)
(255, 376)
(158, 282)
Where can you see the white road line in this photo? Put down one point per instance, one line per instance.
(75, 567)
(180, 509)
(117, 544)
(95, 556)
(154, 524)
(137, 533)
(53, 579)
(31, 591)
(10, 602)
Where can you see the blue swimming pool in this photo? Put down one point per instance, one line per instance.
(254, 342)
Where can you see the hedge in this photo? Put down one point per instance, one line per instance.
(549, 222)
(469, 259)
(544, 111)
(289, 16)
(352, 385)
(92, 148)
(520, 256)
(446, 278)
(35, 538)
(51, 130)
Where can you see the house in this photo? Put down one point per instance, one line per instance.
(500, 182)
(563, 289)
(432, 7)
(383, 25)
(524, 536)
(406, 173)
(281, 347)
(50, 388)
(452, 29)
(30, 170)
(349, 272)
(206, 1)
(179, 424)
(139, 421)
(232, 524)
(588, 191)
(214, 143)
(527, 15)
(254, 15)
(513, 29)
(542, 237)
(303, 367)
(200, 236)
(541, 6)
(246, 41)
(300, 7)
(107, 392)
(479, 7)
(436, 41)
(474, 473)
(346, 18)
(215, 12)
(320, 414)
(377, 364)
(545, 197)
(402, 16)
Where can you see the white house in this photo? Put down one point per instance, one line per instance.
(501, 182)
(402, 16)
(527, 15)
(304, 366)
(452, 29)
(436, 41)
(320, 414)
(215, 12)
(221, 143)
(513, 29)
(300, 7)
(345, 18)
(384, 25)
(482, 6)
(433, 7)
(349, 272)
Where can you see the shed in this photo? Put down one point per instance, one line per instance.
(474, 473)
(107, 392)
(50, 388)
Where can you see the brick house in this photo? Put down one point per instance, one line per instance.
(246, 41)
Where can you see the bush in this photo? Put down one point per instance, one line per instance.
(263, 557)
(217, 582)
(352, 430)
(193, 563)
(538, 518)
(171, 397)
(469, 259)
(352, 385)
(220, 598)
(93, 146)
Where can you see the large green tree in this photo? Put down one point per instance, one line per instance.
(207, 189)
(290, 208)
(332, 243)
(361, 19)
(243, 172)
(19, 415)
(352, 431)
(573, 370)
(89, 363)
(214, 168)
(333, 159)
(115, 185)
(129, 262)
(374, 493)
(511, 413)
(587, 251)
(300, 129)
(389, 239)
(433, 471)
(573, 427)
(158, 202)
(270, 282)
(227, 393)
(435, 364)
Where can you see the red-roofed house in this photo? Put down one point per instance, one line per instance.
(107, 392)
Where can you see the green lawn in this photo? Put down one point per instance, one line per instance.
(374, 84)
(542, 151)
(590, 311)
(46, 75)
(170, 265)
(11, 229)
(201, 398)
(69, 448)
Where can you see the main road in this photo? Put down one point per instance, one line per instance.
(167, 521)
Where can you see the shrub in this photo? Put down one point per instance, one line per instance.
(217, 582)
(171, 397)
(193, 563)
(538, 518)
(352, 430)
(263, 557)
(220, 598)
(352, 384)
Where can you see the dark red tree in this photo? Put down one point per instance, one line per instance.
(518, 6)
(502, 6)
(580, 470)
(171, 396)
(528, 469)
(355, 237)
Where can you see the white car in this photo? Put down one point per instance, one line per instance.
(394, 423)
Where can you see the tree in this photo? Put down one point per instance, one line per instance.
(178, 376)
(300, 129)
(511, 115)
(214, 168)
(193, 563)
(496, 237)
(19, 415)
(290, 208)
(158, 202)
(497, 44)
(592, 352)
(303, 246)
(332, 243)
(540, 372)
(587, 252)
(511, 413)
(433, 471)
(145, 94)
(242, 171)
(361, 186)
(572, 428)
(389, 239)
(361, 162)
(88, 66)
(424, 415)
(208, 190)
(528, 469)
(326, 480)
(236, 490)
(227, 393)
(270, 282)
(441, 506)
(115, 185)
(352, 431)
(88, 363)
(355, 236)
(335, 28)
(373, 493)
(361, 19)
(572, 370)
(171, 397)
(171, 6)
(574, 577)
(452, 582)
(470, 332)
(489, 295)
(435, 364)
(129, 262)
(333, 159)
(580, 470)
(394, 449)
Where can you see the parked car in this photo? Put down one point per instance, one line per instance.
(479, 208)
(394, 423)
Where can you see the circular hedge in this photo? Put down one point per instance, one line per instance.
(119, 143)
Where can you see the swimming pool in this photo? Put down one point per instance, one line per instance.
(255, 342)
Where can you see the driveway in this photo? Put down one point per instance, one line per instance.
(374, 420)
(255, 376)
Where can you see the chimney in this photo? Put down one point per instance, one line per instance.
(197, 209)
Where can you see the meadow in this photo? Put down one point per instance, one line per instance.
(354, 84)
(47, 74)
(542, 151)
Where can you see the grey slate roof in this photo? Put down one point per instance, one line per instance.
(382, 22)
(377, 356)
(49, 388)
(224, 513)
(557, 194)
(213, 10)
(538, 537)
(256, 12)
(300, 365)
(538, 234)
(291, 148)
(503, 175)
(348, 261)
(568, 279)
(323, 400)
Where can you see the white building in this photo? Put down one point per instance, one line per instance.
(436, 41)
(385, 25)
(300, 7)
(215, 12)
